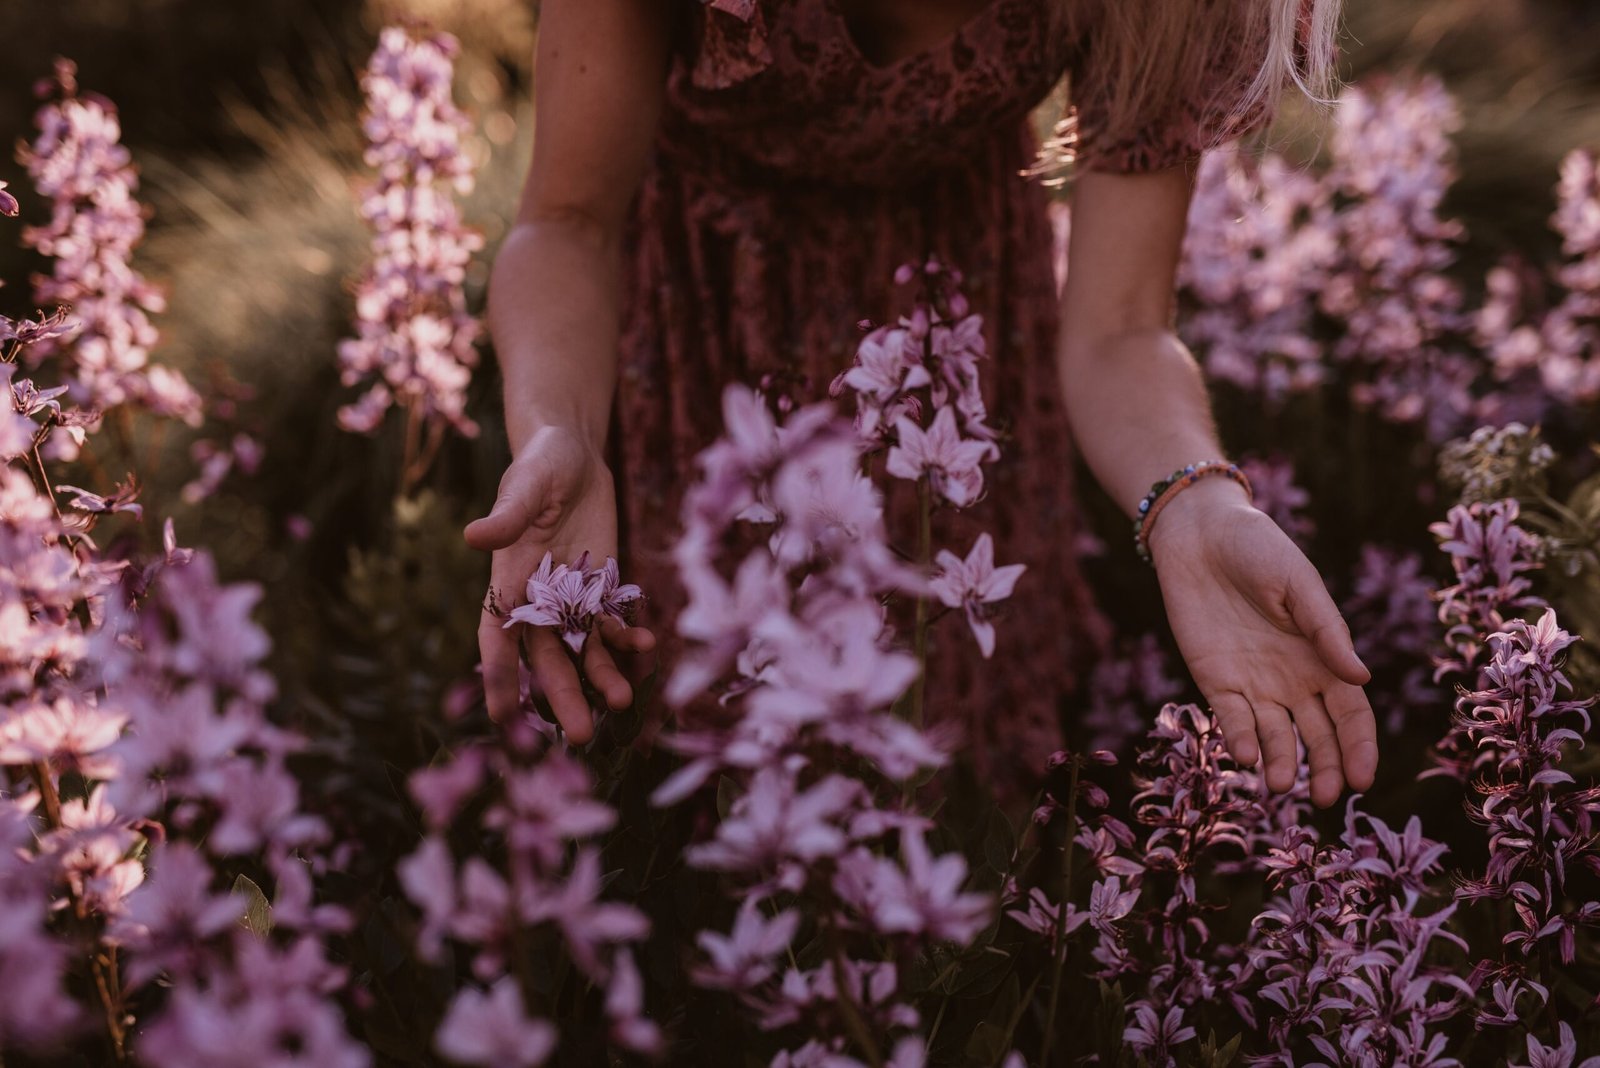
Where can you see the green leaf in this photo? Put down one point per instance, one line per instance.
(257, 918)
(1006, 1001)
(981, 975)
(999, 841)
(987, 1044)
(727, 793)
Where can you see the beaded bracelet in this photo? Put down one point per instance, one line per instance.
(1169, 487)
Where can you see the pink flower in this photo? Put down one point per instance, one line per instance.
(69, 734)
(171, 920)
(630, 1027)
(78, 162)
(414, 336)
(775, 824)
(743, 958)
(923, 897)
(428, 877)
(882, 370)
(941, 453)
(1154, 1034)
(440, 790)
(587, 922)
(1041, 915)
(571, 598)
(1559, 1055)
(547, 805)
(492, 1029)
(975, 583)
(1108, 903)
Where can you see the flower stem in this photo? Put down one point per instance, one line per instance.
(924, 556)
(1058, 941)
(854, 1023)
(103, 969)
(1016, 1018)
(413, 444)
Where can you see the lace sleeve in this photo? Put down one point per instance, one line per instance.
(1197, 119)
(731, 43)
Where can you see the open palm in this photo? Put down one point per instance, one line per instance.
(558, 497)
(1268, 648)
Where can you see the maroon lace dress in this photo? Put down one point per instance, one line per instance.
(791, 177)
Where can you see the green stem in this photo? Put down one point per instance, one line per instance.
(1058, 941)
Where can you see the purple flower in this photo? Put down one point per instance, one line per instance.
(414, 337)
(1153, 1033)
(630, 1027)
(1560, 1055)
(1519, 723)
(546, 806)
(172, 919)
(923, 897)
(587, 922)
(440, 791)
(1042, 914)
(270, 1001)
(948, 460)
(1108, 903)
(493, 1030)
(8, 203)
(974, 584)
(777, 824)
(572, 597)
(743, 958)
(78, 162)
(67, 734)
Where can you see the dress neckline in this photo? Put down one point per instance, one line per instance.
(921, 55)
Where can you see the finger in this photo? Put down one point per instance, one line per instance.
(1357, 728)
(603, 674)
(558, 678)
(1238, 725)
(1318, 618)
(521, 498)
(1277, 742)
(625, 638)
(1322, 750)
(498, 649)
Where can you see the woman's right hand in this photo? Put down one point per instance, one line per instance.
(558, 497)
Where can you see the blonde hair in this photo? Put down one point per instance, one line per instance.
(1150, 59)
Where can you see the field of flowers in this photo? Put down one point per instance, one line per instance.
(254, 812)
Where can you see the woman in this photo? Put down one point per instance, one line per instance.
(733, 183)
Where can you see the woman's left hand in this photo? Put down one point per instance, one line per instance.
(1264, 641)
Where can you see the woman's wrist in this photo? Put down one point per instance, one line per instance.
(527, 417)
(1186, 515)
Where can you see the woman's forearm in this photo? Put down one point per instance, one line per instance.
(1139, 410)
(553, 295)
(1134, 395)
(553, 315)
